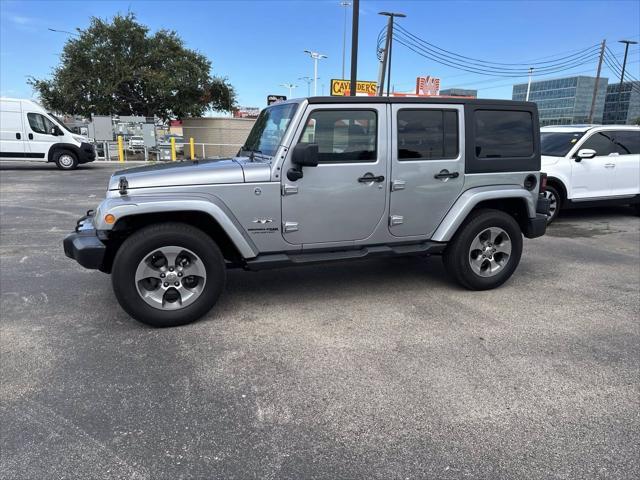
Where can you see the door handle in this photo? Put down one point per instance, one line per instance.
(444, 174)
(31, 136)
(18, 136)
(369, 177)
(609, 165)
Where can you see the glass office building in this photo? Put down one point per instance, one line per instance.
(565, 101)
(459, 92)
(625, 108)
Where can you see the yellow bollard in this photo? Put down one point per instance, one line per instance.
(173, 149)
(192, 148)
(120, 149)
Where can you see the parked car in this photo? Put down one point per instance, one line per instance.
(590, 165)
(385, 177)
(136, 143)
(29, 133)
(165, 142)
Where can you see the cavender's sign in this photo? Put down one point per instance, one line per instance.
(342, 87)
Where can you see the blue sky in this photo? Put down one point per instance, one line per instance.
(259, 45)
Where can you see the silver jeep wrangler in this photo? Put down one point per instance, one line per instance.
(323, 179)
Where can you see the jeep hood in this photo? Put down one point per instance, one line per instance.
(197, 172)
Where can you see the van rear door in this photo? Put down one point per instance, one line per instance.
(12, 144)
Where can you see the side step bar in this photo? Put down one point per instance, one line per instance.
(277, 260)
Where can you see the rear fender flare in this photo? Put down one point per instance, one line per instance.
(472, 197)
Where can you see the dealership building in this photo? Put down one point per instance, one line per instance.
(565, 101)
(622, 109)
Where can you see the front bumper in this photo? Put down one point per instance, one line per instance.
(86, 153)
(84, 246)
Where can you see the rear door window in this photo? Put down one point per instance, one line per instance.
(627, 142)
(427, 134)
(503, 134)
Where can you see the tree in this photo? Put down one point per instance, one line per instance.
(119, 68)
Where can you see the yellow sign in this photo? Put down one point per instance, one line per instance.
(343, 87)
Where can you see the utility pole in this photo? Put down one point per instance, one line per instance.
(595, 87)
(529, 84)
(291, 87)
(354, 48)
(315, 56)
(344, 4)
(308, 81)
(386, 56)
(624, 65)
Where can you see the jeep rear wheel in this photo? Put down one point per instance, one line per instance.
(168, 274)
(65, 160)
(485, 251)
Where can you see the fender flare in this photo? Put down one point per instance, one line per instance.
(63, 146)
(122, 207)
(472, 197)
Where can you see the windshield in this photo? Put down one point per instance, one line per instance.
(267, 132)
(558, 144)
(59, 122)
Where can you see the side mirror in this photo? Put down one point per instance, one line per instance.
(585, 153)
(55, 131)
(303, 155)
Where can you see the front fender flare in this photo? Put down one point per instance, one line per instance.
(128, 205)
(472, 197)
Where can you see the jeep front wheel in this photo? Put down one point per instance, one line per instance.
(485, 251)
(168, 274)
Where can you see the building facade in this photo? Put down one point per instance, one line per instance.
(625, 108)
(459, 92)
(565, 101)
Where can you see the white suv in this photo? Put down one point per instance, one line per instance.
(589, 165)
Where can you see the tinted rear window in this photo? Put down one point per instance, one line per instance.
(628, 141)
(503, 134)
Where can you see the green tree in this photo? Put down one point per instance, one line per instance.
(118, 67)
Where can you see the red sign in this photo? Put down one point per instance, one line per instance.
(427, 86)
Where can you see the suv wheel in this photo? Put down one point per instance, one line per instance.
(554, 202)
(168, 274)
(485, 251)
(65, 160)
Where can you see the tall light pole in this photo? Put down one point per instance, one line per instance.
(315, 56)
(344, 4)
(529, 84)
(624, 65)
(291, 87)
(386, 57)
(308, 81)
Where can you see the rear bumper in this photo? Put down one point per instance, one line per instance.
(84, 246)
(537, 226)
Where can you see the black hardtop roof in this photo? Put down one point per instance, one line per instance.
(440, 100)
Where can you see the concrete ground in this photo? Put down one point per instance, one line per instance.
(380, 370)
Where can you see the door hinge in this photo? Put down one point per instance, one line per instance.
(289, 189)
(288, 227)
(396, 220)
(397, 185)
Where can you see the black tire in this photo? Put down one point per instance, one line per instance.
(637, 208)
(554, 195)
(144, 241)
(456, 256)
(65, 159)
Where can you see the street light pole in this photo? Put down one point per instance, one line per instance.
(308, 81)
(291, 87)
(386, 57)
(624, 65)
(344, 4)
(315, 56)
(529, 84)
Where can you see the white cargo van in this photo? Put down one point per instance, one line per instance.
(29, 133)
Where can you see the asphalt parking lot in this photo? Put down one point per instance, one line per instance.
(381, 369)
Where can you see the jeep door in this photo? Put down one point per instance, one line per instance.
(343, 199)
(427, 166)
